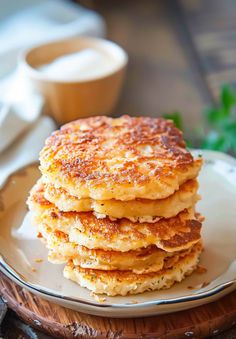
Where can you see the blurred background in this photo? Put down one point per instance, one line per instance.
(180, 53)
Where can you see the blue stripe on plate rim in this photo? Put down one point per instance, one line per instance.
(9, 271)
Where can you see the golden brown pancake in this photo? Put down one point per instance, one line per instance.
(143, 260)
(125, 282)
(124, 159)
(116, 202)
(134, 210)
(173, 234)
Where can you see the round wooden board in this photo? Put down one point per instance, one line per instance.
(64, 323)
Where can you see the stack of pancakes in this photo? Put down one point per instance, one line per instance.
(116, 203)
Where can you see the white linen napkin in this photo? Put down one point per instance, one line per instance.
(25, 150)
(15, 118)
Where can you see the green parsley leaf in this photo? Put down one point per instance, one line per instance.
(215, 141)
(176, 118)
(221, 123)
(227, 98)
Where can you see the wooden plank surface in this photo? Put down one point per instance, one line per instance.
(60, 322)
(212, 26)
(162, 75)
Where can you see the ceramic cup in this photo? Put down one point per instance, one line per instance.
(68, 100)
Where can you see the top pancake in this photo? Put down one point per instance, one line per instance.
(125, 158)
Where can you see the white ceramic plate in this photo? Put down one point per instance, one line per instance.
(19, 248)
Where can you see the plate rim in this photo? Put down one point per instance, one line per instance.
(225, 287)
(47, 292)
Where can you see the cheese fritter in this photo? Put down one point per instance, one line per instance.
(144, 260)
(124, 158)
(134, 210)
(173, 234)
(125, 282)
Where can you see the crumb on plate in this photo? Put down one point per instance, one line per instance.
(134, 302)
(201, 269)
(97, 297)
(204, 284)
(38, 260)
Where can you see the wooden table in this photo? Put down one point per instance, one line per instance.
(163, 73)
(180, 52)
